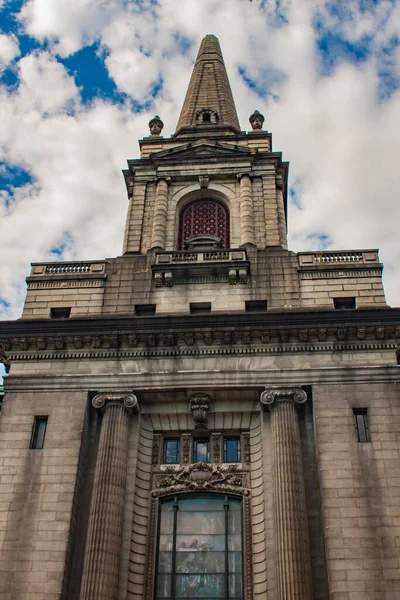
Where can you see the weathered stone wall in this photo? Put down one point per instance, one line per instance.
(360, 489)
(37, 489)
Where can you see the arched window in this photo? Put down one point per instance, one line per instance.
(200, 548)
(204, 217)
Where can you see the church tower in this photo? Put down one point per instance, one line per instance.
(208, 415)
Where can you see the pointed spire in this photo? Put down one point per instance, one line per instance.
(209, 99)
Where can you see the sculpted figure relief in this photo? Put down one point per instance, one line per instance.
(256, 120)
(156, 125)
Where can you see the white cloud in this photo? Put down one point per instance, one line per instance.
(341, 142)
(9, 49)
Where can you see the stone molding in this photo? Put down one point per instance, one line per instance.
(200, 342)
(290, 394)
(128, 400)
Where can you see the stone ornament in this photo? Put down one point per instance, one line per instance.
(270, 396)
(5, 361)
(128, 400)
(201, 476)
(256, 120)
(156, 125)
(200, 405)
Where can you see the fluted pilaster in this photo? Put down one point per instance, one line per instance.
(104, 537)
(246, 211)
(290, 511)
(160, 215)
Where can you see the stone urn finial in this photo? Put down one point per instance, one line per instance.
(256, 120)
(156, 125)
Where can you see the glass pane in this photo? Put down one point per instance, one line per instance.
(200, 543)
(167, 520)
(234, 522)
(200, 586)
(235, 562)
(40, 432)
(166, 543)
(164, 586)
(165, 562)
(235, 543)
(201, 450)
(232, 450)
(200, 562)
(203, 503)
(171, 452)
(201, 522)
(235, 586)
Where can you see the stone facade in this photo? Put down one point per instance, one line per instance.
(183, 339)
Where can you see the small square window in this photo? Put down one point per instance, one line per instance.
(344, 303)
(60, 313)
(256, 306)
(232, 450)
(145, 310)
(38, 433)
(200, 308)
(201, 451)
(171, 455)
(361, 425)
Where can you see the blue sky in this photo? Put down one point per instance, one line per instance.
(79, 82)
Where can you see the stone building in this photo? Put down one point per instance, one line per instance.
(208, 415)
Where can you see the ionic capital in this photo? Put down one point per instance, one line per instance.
(287, 394)
(124, 399)
(248, 174)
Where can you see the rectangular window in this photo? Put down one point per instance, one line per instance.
(200, 308)
(60, 313)
(256, 306)
(145, 310)
(232, 450)
(361, 424)
(344, 303)
(201, 451)
(38, 433)
(171, 454)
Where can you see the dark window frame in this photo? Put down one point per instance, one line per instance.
(200, 308)
(253, 306)
(348, 303)
(361, 425)
(178, 451)
(37, 437)
(231, 438)
(177, 500)
(195, 451)
(145, 310)
(60, 312)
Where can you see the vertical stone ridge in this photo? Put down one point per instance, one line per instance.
(294, 581)
(103, 546)
(160, 215)
(246, 211)
(209, 87)
(258, 508)
(140, 524)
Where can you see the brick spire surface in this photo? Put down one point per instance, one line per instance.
(209, 88)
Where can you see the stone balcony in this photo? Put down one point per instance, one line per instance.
(67, 270)
(349, 259)
(179, 267)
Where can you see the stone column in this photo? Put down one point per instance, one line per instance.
(160, 215)
(293, 557)
(281, 212)
(246, 211)
(104, 535)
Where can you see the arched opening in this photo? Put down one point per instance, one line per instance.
(200, 548)
(205, 217)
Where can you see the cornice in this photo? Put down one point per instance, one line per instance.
(250, 378)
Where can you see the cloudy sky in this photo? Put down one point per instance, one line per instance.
(79, 80)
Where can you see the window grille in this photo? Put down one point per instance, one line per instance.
(204, 217)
